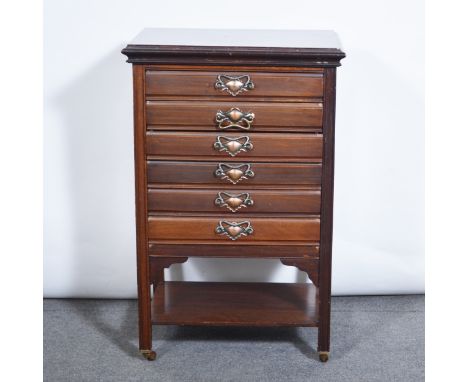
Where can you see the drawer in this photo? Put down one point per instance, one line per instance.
(237, 116)
(163, 172)
(225, 84)
(234, 202)
(240, 229)
(221, 145)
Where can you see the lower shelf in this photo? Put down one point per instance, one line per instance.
(234, 304)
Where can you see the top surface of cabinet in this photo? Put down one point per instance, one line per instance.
(215, 46)
(240, 37)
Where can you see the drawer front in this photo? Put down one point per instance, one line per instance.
(164, 172)
(225, 84)
(234, 116)
(241, 229)
(233, 202)
(235, 145)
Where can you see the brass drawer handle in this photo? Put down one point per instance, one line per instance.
(233, 202)
(234, 118)
(233, 146)
(234, 85)
(234, 230)
(234, 173)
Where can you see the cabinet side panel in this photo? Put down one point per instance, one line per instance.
(326, 229)
(144, 297)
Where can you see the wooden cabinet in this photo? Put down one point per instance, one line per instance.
(234, 157)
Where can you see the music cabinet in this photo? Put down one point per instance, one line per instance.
(234, 158)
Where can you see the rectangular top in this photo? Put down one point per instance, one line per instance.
(308, 48)
(320, 39)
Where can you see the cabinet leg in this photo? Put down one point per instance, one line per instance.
(323, 347)
(145, 327)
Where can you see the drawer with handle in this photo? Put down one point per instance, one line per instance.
(240, 229)
(234, 202)
(229, 84)
(235, 145)
(259, 173)
(234, 116)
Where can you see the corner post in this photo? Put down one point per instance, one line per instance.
(326, 215)
(144, 292)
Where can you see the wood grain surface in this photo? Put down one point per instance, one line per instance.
(266, 146)
(238, 249)
(200, 228)
(201, 83)
(201, 115)
(264, 201)
(204, 173)
(234, 304)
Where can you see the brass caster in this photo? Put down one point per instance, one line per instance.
(150, 355)
(323, 356)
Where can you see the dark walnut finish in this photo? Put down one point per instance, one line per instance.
(230, 172)
(231, 203)
(267, 116)
(236, 146)
(200, 84)
(234, 157)
(272, 249)
(235, 304)
(194, 228)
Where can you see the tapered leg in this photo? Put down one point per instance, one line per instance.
(323, 347)
(144, 313)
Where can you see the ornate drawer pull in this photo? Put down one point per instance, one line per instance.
(234, 118)
(233, 201)
(233, 146)
(234, 85)
(234, 230)
(234, 173)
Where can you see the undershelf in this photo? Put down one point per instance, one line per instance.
(234, 304)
